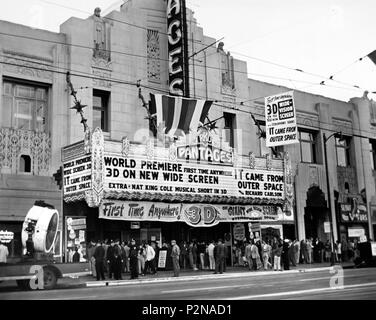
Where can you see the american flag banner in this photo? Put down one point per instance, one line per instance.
(178, 113)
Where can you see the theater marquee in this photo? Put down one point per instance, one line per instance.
(120, 170)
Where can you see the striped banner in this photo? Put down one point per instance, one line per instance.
(178, 113)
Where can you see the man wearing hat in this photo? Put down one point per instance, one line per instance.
(133, 260)
(175, 254)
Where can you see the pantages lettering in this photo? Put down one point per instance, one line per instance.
(175, 47)
(210, 154)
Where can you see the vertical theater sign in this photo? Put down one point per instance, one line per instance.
(177, 48)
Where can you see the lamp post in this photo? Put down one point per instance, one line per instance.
(329, 192)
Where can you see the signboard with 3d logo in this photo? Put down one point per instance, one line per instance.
(195, 215)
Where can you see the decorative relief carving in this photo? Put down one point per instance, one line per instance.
(27, 67)
(289, 183)
(149, 149)
(252, 160)
(269, 162)
(102, 78)
(153, 55)
(101, 38)
(125, 146)
(313, 176)
(307, 119)
(342, 125)
(227, 71)
(37, 145)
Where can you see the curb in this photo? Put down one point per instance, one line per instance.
(200, 277)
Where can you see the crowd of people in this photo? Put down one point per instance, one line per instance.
(273, 254)
(115, 258)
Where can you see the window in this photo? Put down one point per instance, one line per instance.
(343, 152)
(372, 149)
(25, 164)
(307, 146)
(24, 106)
(229, 119)
(100, 109)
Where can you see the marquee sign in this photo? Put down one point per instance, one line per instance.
(117, 170)
(137, 174)
(195, 215)
(177, 48)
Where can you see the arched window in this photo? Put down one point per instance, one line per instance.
(25, 163)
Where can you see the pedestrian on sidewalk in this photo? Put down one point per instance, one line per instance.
(309, 250)
(220, 256)
(175, 254)
(254, 255)
(117, 263)
(126, 257)
(4, 253)
(285, 254)
(248, 255)
(297, 251)
(99, 256)
(149, 263)
(211, 255)
(110, 259)
(183, 255)
(133, 259)
(303, 251)
(190, 254)
(90, 256)
(201, 253)
(194, 255)
(291, 254)
(328, 251)
(344, 250)
(141, 260)
(266, 251)
(277, 252)
(339, 251)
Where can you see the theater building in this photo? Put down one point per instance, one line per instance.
(147, 168)
(177, 179)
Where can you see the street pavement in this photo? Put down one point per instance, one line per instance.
(322, 283)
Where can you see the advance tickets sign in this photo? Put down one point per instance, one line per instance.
(135, 174)
(281, 128)
(195, 215)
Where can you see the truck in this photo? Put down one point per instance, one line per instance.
(36, 268)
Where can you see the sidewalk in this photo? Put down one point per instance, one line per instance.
(185, 275)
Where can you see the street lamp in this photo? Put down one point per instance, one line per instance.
(328, 190)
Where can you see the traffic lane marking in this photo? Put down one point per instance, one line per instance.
(299, 292)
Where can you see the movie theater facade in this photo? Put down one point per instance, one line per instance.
(195, 188)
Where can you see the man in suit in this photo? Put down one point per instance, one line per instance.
(220, 256)
(133, 260)
(175, 254)
(99, 256)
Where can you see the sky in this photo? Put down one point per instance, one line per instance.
(322, 38)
